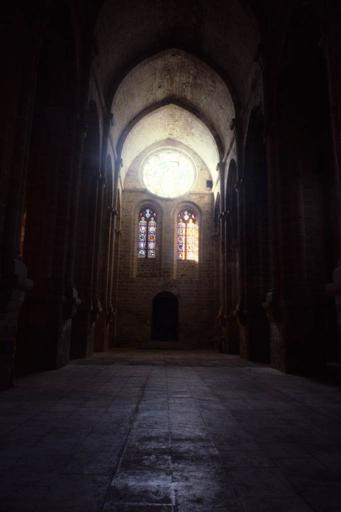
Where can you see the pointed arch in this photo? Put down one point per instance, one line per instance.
(147, 232)
(187, 233)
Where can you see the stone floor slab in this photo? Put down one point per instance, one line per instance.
(169, 432)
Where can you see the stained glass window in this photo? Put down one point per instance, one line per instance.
(147, 228)
(187, 236)
(168, 173)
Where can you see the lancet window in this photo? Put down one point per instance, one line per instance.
(187, 234)
(147, 233)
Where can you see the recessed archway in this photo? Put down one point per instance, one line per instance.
(165, 317)
(174, 112)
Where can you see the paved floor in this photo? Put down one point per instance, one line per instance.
(162, 432)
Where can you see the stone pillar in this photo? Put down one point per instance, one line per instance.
(333, 51)
(334, 289)
(99, 267)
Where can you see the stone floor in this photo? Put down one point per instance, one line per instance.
(161, 432)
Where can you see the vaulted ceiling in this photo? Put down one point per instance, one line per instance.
(177, 70)
(225, 35)
(173, 96)
(174, 77)
(174, 123)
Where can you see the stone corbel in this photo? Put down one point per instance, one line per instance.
(271, 308)
(222, 321)
(239, 314)
(14, 289)
(239, 185)
(71, 303)
(15, 286)
(96, 310)
(334, 288)
(110, 313)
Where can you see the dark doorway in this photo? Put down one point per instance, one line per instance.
(165, 317)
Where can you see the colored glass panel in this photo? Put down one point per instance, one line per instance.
(187, 236)
(147, 232)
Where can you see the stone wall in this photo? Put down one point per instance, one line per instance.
(191, 282)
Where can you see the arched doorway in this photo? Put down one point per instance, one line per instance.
(165, 317)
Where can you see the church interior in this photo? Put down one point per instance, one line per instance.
(170, 262)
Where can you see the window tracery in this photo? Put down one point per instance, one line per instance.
(187, 235)
(168, 173)
(147, 233)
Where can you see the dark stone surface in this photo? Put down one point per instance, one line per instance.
(158, 437)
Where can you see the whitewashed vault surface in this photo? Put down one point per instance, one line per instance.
(174, 76)
(171, 123)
